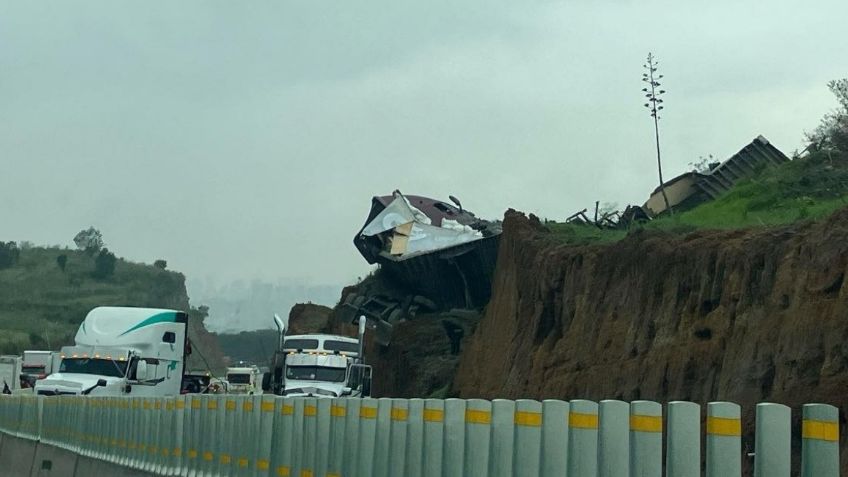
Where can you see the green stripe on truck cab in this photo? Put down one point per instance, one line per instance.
(169, 317)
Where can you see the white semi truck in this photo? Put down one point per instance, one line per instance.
(123, 351)
(36, 365)
(10, 373)
(319, 365)
(244, 379)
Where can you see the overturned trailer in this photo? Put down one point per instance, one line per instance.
(440, 252)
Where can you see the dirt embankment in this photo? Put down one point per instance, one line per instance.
(746, 316)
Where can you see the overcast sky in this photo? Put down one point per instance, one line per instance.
(242, 140)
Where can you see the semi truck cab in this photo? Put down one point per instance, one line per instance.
(319, 365)
(123, 351)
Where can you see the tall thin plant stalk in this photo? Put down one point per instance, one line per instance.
(654, 105)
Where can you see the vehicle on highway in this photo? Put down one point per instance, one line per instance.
(123, 351)
(319, 365)
(244, 379)
(36, 365)
(10, 374)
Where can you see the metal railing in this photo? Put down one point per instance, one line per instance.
(210, 435)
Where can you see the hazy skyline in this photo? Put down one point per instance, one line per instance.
(245, 140)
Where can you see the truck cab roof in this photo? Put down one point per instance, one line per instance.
(317, 343)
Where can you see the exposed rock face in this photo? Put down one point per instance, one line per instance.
(745, 316)
(306, 318)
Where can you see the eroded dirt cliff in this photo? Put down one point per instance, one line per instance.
(746, 316)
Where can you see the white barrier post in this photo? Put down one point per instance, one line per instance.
(583, 438)
(434, 431)
(646, 428)
(613, 438)
(323, 436)
(772, 448)
(414, 453)
(367, 435)
(351, 437)
(820, 445)
(724, 439)
(454, 438)
(398, 442)
(338, 413)
(281, 451)
(478, 434)
(528, 438)
(683, 445)
(554, 438)
(503, 438)
(382, 438)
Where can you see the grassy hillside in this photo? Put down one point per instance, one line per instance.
(41, 306)
(808, 188)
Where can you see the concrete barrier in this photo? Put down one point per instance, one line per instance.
(17, 455)
(50, 461)
(212, 436)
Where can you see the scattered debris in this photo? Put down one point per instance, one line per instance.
(440, 255)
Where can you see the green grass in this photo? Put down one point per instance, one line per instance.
(582, 234)
(41, 306)
(803, 189)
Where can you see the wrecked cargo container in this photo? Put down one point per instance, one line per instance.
(435, 249)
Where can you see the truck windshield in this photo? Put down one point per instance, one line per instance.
(315, 373)
(100, 367)
(238, 378)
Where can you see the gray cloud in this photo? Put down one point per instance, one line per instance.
(245, 140)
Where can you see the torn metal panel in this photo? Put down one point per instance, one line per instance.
(434, 248)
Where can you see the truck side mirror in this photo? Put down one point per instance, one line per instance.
(142, 371)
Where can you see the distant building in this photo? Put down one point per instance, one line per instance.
(692, 188)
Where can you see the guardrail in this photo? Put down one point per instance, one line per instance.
(270, 436)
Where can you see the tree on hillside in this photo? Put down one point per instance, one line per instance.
(160, 264)
(832, 134)
(104, 264)
(62, 261)
(9, 254)
(654, 104)
(90, 241)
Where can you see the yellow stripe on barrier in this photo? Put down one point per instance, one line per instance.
(478, 417)
(177, 452)
(212, 405)
(306, 473)
(195, 403)
(287, 410)
(338, 411)
(724, 426)
(207, 456)
(434, 415)
(192, 454)
(582, 421)
(310, 411)
(262, 464)
(368, 412)
(169, 406)
(640, 423)
(247, 406)
(242, 462)
(526, 418)
(179, 404)
(165, 452)
(225, 459)
(399, 414)
(267, 406)
(231, 405)
(283, 471)
(820, 430)
(333, 474)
